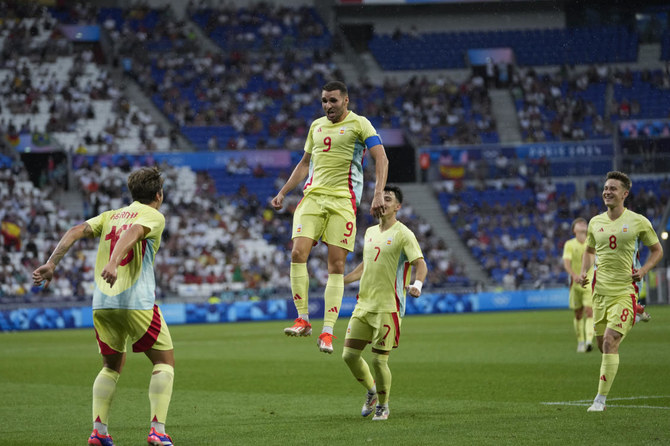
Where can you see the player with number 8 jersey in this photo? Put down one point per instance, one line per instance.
(613, 238)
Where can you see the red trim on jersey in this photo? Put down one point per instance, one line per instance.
(395, 286)
(396, 322)
(104, 348)
(593, 283)
(632, 296)
(637, 290)
(351, 190)
(149, 338)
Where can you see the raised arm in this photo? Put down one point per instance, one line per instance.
(46, 271)
(381, 174)
(299, 173)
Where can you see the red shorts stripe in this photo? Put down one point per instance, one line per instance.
(150, 337)
(104, 348)
(632, 296)
(396, 322)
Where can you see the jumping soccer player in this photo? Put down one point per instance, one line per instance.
(334, 151)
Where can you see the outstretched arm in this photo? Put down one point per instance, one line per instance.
(381, 174)
(299, 173)
(46, 271)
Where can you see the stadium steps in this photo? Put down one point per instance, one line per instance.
(72, 201)
(649, 55)
(425, 204)
(504, 111)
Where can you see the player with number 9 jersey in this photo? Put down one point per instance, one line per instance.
(337, 149)
(135, 286)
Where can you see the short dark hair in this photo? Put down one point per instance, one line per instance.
(336, 85)
(616, 175)
(396, 190)
(575, 221)
(145, 183)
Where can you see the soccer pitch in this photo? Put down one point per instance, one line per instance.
(469, 379)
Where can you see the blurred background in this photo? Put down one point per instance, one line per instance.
(500, 120)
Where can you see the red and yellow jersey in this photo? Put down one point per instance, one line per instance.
(135, 285)
(337, 151)
(616, 245)
(387, 258)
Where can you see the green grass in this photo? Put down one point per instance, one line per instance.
(474, 379)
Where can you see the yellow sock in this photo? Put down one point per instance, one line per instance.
(300, 286)
(588, 329)
(608, 369)
(579, 328)
(380, 363)
(160, 391)
(333, 299)
(103, 394)
(359, 368)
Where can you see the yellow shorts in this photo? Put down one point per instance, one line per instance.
(145, 328)
(617, 313)
(328, 218)
(382, 330)
(580, 296)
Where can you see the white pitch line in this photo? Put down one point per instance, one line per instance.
(588, 402)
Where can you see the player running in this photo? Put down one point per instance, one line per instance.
(612, 236)
(580, 297)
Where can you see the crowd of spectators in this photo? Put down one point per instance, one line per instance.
(516, 230)
(212, 244)
(562, 106)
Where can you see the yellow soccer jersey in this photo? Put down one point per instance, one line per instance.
(386, 268)
(574, 251)
(135, 285)
(616, 245)
(337, 150)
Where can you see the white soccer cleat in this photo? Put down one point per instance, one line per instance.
(300, 328)
(597, 406)
(581, 347)
(381, 413)
(369, 405)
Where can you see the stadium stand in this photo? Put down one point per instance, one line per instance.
(258, 88)
(443, 50)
